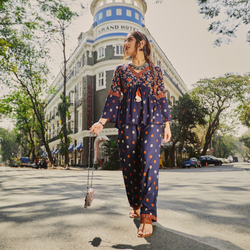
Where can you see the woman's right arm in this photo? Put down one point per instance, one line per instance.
(112, 102)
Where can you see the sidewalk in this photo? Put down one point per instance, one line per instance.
(42, 209)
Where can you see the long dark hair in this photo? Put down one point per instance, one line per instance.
(146, 50)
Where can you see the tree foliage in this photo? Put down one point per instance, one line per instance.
(246, 140)
(25, 26)
(23, 68)
(18, 107)
(111, 150)
(9, 146)
(186, 115)
(217, 95)
(229, 15)
(244, 112)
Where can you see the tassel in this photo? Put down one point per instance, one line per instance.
(138, 95)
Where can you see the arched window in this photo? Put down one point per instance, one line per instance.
(101, 150)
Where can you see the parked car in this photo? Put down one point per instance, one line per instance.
(24, 161)
(207, 160)
(192, 162)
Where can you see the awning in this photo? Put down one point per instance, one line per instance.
(71, 147)
(44, 154)
(53, 152)
(57, 151)
(78, 146)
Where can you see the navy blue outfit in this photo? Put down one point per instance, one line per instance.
(139, 117)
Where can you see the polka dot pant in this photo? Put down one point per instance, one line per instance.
(139, 148)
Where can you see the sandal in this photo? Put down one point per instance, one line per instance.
(134, 213)
(144, 221)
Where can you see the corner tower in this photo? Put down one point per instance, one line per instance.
(116, 18)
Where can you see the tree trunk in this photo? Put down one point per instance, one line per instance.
(172, 154)
(64, 124)
(211, 129)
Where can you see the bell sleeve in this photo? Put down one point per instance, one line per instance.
(161, 96)
(112, 102)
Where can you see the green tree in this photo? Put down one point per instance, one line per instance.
(24, 69)
(111, 150)
(9, 146)
(57, 24)
(186, 115)
(246, 140)
(217, 95)
(244, 113)
(56, 18)
(229, 15)
(18, 107)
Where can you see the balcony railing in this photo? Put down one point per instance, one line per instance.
(172, 81)
(54, 138)
(70, 75)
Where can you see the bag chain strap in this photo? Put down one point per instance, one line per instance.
(89, 165)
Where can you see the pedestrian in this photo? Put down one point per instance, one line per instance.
(139, 117)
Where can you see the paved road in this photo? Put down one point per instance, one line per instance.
(198, 209)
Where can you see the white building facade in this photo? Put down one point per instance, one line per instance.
(90, 70)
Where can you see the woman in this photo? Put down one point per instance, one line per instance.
(139, 118)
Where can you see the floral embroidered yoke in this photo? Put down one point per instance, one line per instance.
(140, 104)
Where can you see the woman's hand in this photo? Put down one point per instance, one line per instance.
(167, 132)
(96, 128)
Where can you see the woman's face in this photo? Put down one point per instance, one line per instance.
(130, 45)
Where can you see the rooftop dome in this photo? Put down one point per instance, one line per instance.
(98, 3)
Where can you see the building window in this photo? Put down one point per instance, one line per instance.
(118, 50)
(100, 16)
(153, 57)
(101, 53)
(159, 63)
(79, 88)
(80, 120)
(109, 1)
(127, 1)
(128, 12)
(118, 12)
(100, 81)
(137, 16)
(135, 3)
(108, 13)
(142, 20)
(71, 98)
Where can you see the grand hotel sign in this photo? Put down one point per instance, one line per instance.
(116, 27)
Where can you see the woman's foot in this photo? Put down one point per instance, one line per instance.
(146, 228)
(134, 213)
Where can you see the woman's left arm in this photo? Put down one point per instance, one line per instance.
(163, 102)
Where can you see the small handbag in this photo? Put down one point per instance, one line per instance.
(90, 191)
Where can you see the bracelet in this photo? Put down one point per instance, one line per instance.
(101, 123)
